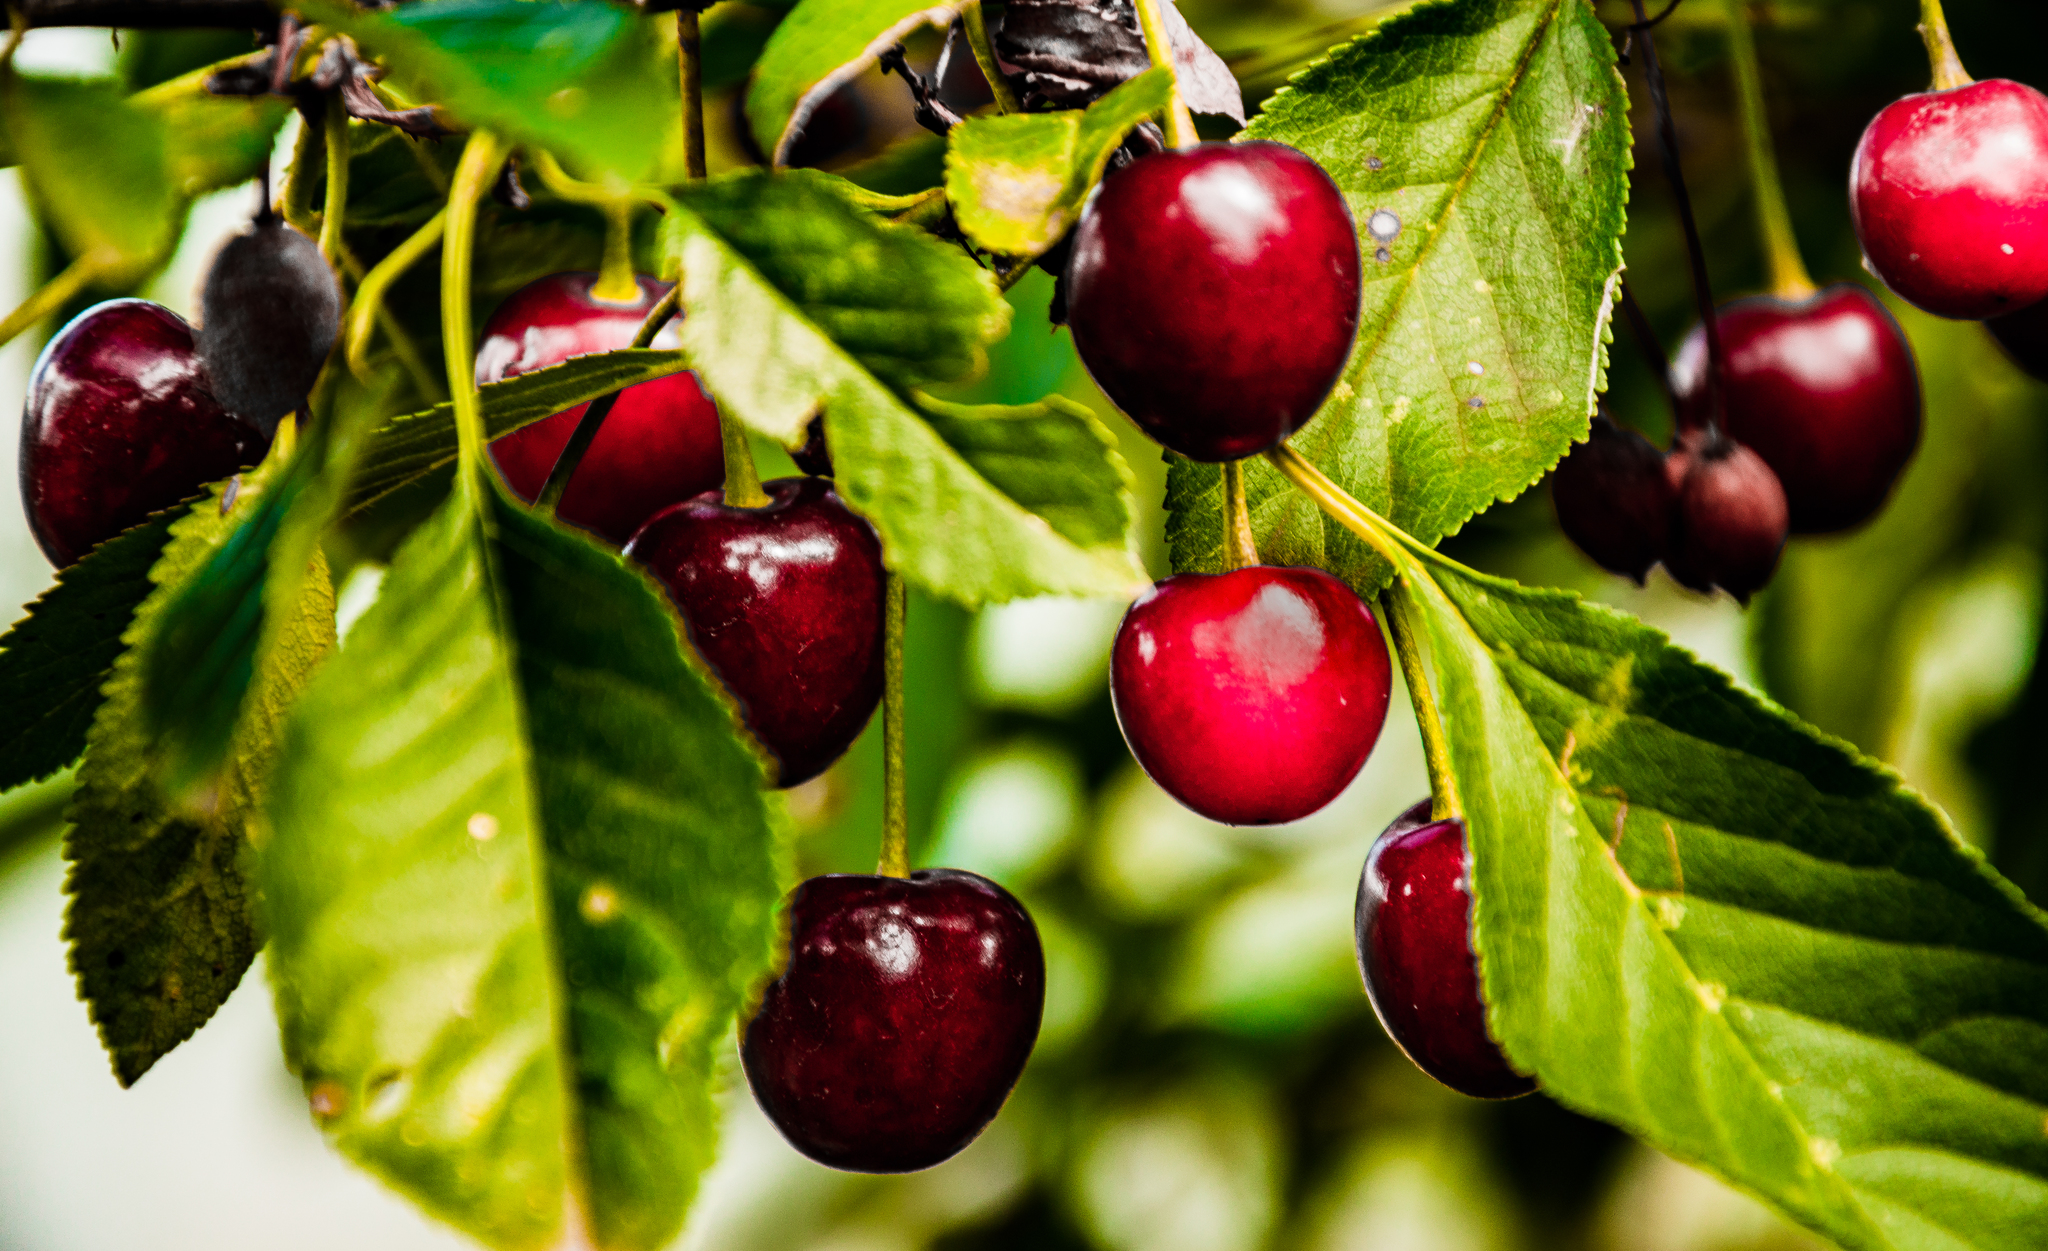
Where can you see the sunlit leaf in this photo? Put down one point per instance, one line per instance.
(819, 46)
(97, 168)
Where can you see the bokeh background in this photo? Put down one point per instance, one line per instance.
(1210, 1076)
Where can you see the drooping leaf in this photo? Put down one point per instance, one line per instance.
(817, 47)
(55, 659)
(160, 925)
(800, 302)
(582, 79)
(1052, 457)
(1710, 924)
(523, 873)
(1495, 133)
(212, 141)
(1017, 181)
(98, 170)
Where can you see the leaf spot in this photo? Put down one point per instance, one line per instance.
(1482, 286)
(1712, 994)
(1670, 912)
(599, 904)
(1475, 402)
(227, 497)
(1400, 410)
(1774, 1090)
(1825, 1151)
(1383, 226)
(327, 1100)
(1474, 368)
(1382, 255)
(483, 827)
(1343, 391)
(1375, 164)
(387, 1095)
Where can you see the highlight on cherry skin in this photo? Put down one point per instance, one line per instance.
(1824, 389)
(1949, 194)
(1213, 294)
(1252, 697)
(907, 1010)
(659, 444)
(120, 422)
(785, 603)
(1413, 927)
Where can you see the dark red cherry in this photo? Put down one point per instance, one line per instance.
(1213, 294)
(906, 1012)
(1414, 931)
(1730, 518)
(1949, 192)
(121, 422)
(269, 313)
(785, 602)
(1613, 499)
(1253, 697)
(658, 445)
(814, 457)
(2024, 336)
(1824, 389)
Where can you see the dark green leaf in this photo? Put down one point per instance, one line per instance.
(97, 169)
(1497, 132)
(159, 924)
(818, 46)
(1710, 924)
(522, 878)
(1017, 182)
(54, 660)
(1052, 457)
(799, 302)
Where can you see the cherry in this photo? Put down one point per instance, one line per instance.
(1730, 519)
(785, 602)
(660, 442)
(1613, 499)
(907, 1010)
(1414, 931)
(121, 422)
(269, 313)
(1824, 389)
(1252, 697)
(1213, 294)
(1949, 192)
(2024, 336)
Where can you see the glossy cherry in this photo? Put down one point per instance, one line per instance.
(1213, 294)
(907, 1010)
(659, 444)
(785, 602)
(1730, 518)
(1949, 192)
(269, 313)
(1613, 499)
(120, 422)
(1824, 389)
(1252, 697)
(1414, 933)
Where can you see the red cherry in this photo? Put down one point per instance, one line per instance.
(907, 1011)
(1730, 521)
(1614, 501)
(121, 422)
(1253, 697)
(660, 442)
(1213, 294)
(1414, 932)
(785, 603)
(1824, 389)
(1949, 191)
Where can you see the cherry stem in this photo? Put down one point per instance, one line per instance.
(690, 67)
(1789, 279)
(1667, 142)
(617, 281)
(1399, 613)
(297, 200)
(1651, 347)
(976, 24)
(1941, 49)
(334, 124)
(49, 298)
(593, 417)
(1240, 549)
(474, 175)
(1180, 124)
(368, 307)
(895, 859)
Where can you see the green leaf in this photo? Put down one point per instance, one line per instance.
(212, 141)
(1053, 457)
(817, 47)
(97, 169)
(159, 924)
(523, 875)
(583, 79)
(1710, 924)
(409, 448)
(54, 660)
(1497, 132)
(799, 302)
(1017, 182)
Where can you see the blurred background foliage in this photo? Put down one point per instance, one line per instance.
(1210, 1076)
